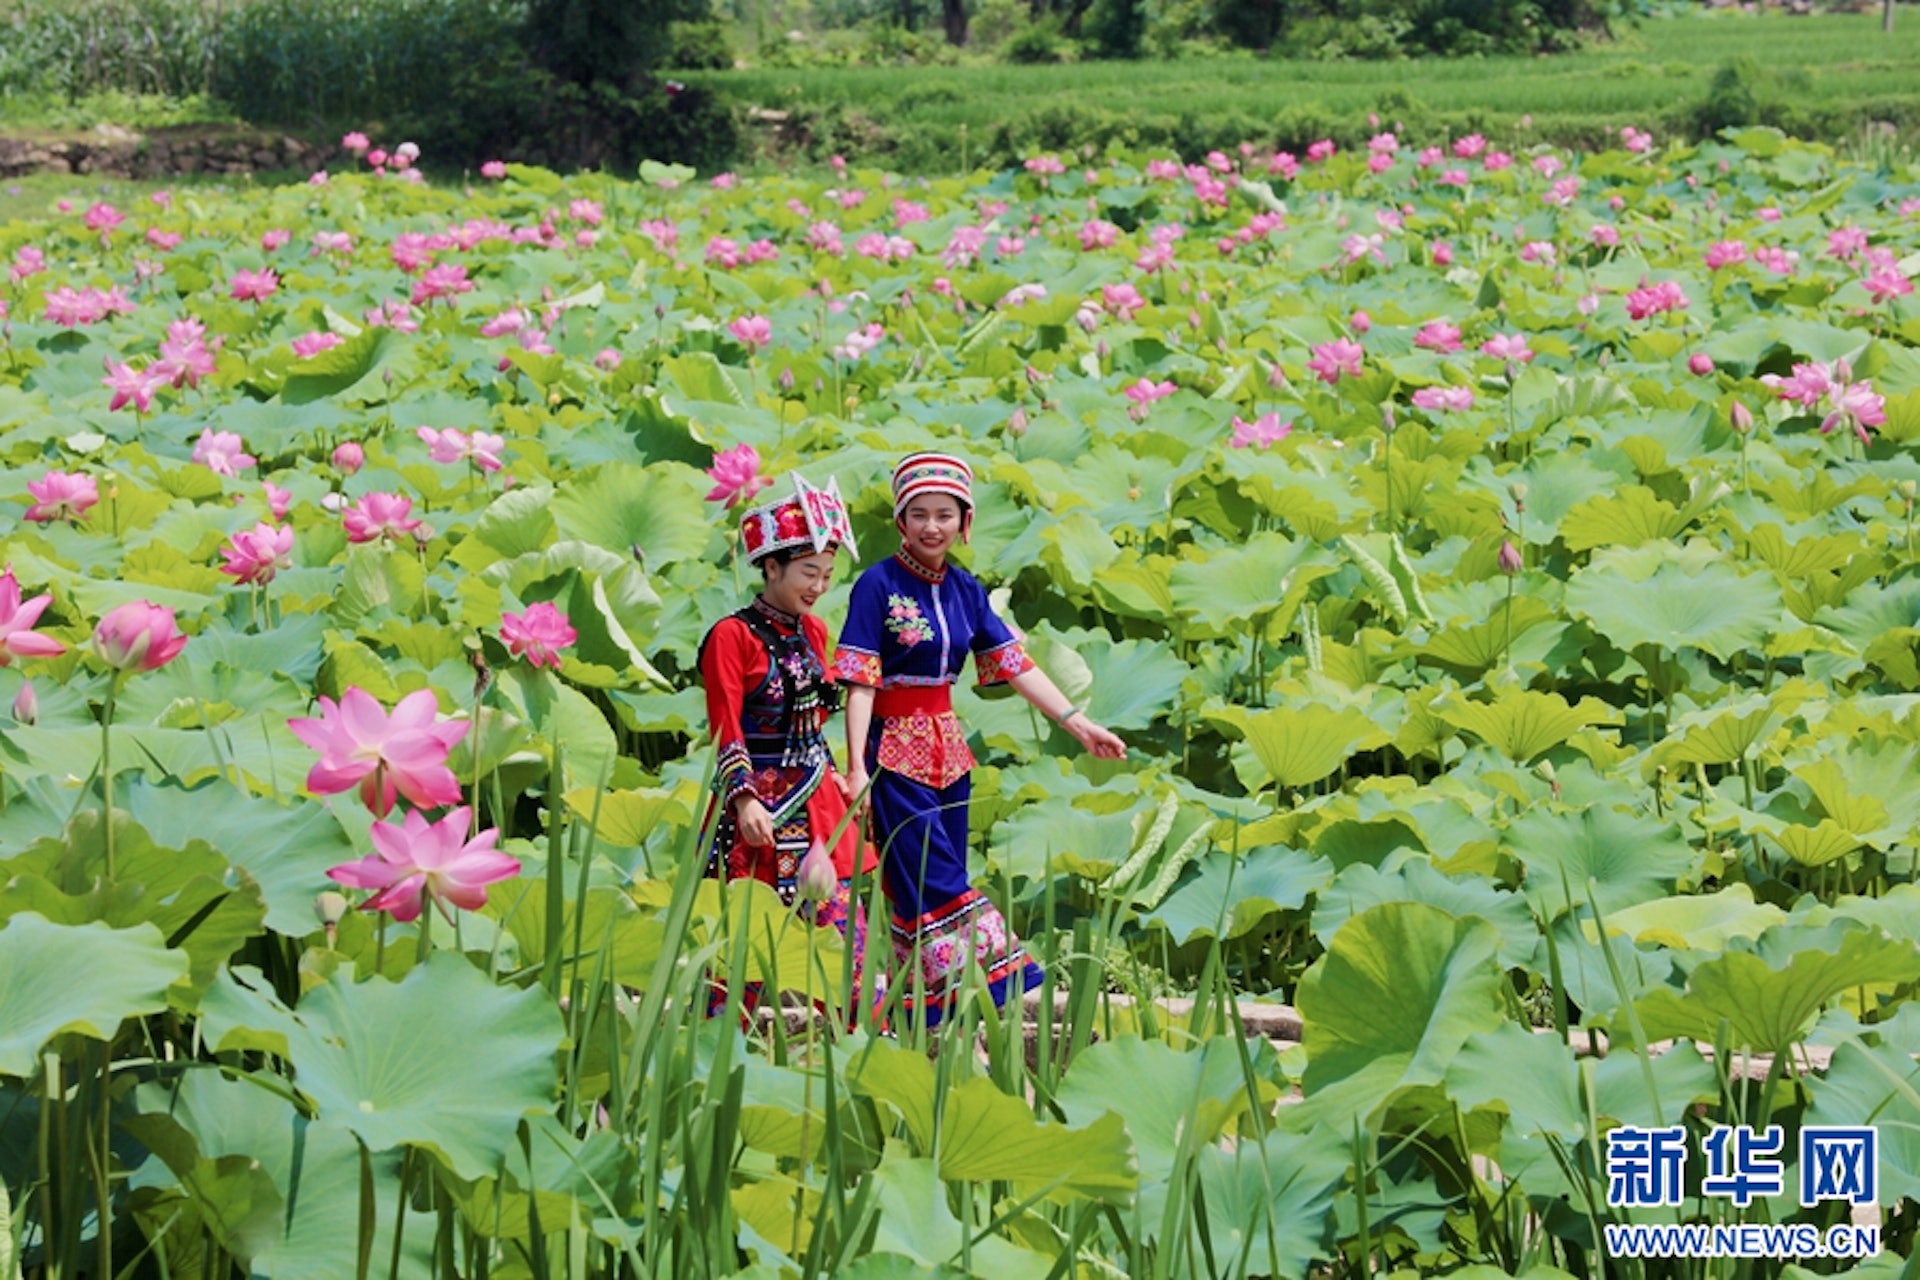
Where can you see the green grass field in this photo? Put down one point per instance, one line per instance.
(1822, 69)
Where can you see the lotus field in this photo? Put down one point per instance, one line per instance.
(1501, 567)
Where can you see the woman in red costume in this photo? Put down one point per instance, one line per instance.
(769, 694)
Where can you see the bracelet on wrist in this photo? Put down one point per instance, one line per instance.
(1067, 715)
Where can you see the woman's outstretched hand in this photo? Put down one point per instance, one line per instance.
(1101, 741)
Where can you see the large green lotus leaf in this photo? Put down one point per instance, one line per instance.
(518, 521)
(1718, 610)
(1522, 723)
(1299, 745)
(181, 892)
(564, 1172)
(1266, 576)
(233, 1197)
(1269, 1202)
(1557, 481)
(1877, 1084)
(1721, 734)
(1586, 973)
(1224, 897)
(286, 849)
(1360, 887)
(1867, 787)
(984, 1135)
(316, 1168)
(1704, 922)
(1629, 858)
(1681, 1078)
(915, 1223)
(562, 715)
(611, 923)
(1471, 648)
(1626, 518)
(1401, 987)
(336, 370)
(393, 1062)
(1057, 836)
(1166, 1097)
(85, 979)
(1534, 1078)
(652, 513)
(628, 818)
(1768, 996)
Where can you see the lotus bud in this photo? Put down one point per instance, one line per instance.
(26, 705)
(1908, 490)
(1193, 319)
(786, 380)
(1842, 371)
(1221, 343)
(1102, 350)
(817, 879)
(334, 502)
(330, 908)
(1700, 364)
(1017, 424)
(1545, 770)
(1519, 491)
(1276, 376)
(1387, 422)
(1740, 418)
(1510, 562)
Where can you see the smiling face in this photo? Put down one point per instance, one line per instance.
(796, 586)
(930, 524)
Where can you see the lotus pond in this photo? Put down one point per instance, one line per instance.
(1500, 565)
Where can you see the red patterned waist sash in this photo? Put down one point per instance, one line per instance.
(920, 737)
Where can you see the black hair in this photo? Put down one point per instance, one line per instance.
(783, 556)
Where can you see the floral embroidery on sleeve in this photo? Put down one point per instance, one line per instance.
(908, 624)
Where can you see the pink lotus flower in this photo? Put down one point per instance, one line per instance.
(1121, 300)
(1444, 399)
(355, 142)
(1261, 432)
(254, 286)
(221, 452)
(28, 262)
(494, 169)
(278, 500)
(752, 332)
(18, 639)
(1098, 234)
(1700, 364)
(309, 345)
(332, 242)
(1845, 242)
(1655, 299)
(1332, 359)
(450, 444)
(447, 280)
(60, 496)
(1511, 347)
(138, 636)
(419, 861)
(1509, 559)
(1321, 150)
(26, 704)
(164, 241)
(1438, 335)
(275, 239)
(1725, 253)
(1147, 391)
(1604, 235)
(537, 635)
(587, 211)
(349, 458)
(736, 475)
(1044, 165)
(385, 756)
(1442, 254)
(1636, 140)
(185, 357)
(254, 555)
(379, 515)
(1807, 384)
(607, 359)
(103, 218)
(1470, 146)
(131, 386)
(1886, 284)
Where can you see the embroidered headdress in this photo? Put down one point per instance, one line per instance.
(815, 519)
(924, 473)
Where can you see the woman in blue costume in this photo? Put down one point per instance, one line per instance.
(911, 623)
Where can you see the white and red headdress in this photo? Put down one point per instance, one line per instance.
(814, 519)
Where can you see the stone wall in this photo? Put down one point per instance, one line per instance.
(110, 151)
